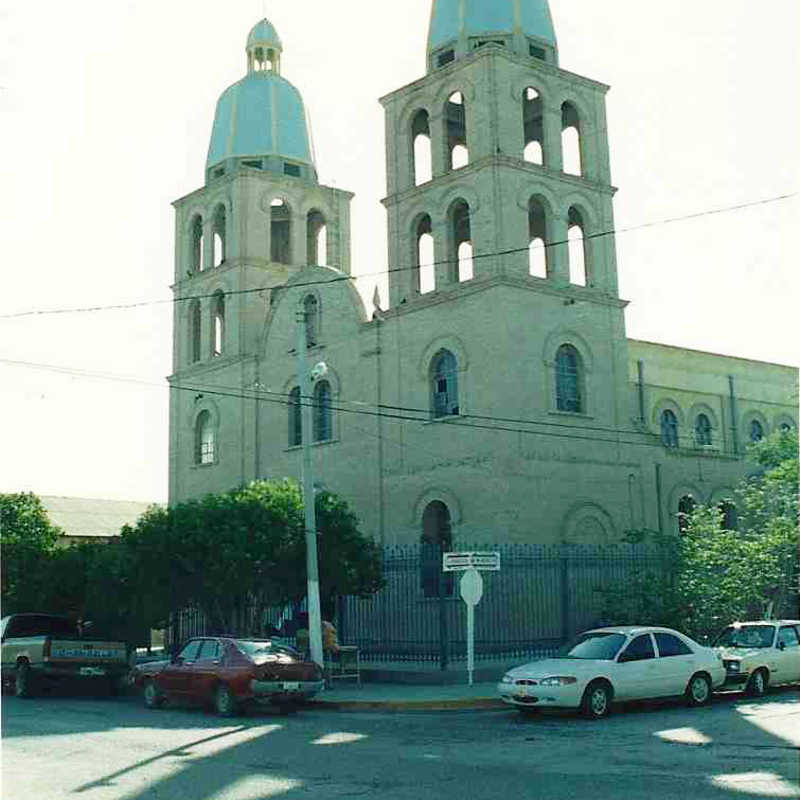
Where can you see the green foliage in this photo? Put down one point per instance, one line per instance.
(713, 575)
(27, 539)
(244, 549)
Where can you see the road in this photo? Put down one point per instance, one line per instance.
(115, 749)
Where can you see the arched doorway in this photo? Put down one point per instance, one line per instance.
(437, 538)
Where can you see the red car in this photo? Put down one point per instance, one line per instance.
(227, 673)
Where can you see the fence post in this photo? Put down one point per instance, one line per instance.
(566, 627)
(443, 648)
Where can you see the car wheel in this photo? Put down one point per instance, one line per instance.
(23, 680)
(698, 690)
(153, 698)
(596, 702)
(757, 685)
(224, 703)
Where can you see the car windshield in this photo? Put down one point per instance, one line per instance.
(746, 636)
(260, 649)
(601, 646)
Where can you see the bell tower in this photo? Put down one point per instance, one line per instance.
(498, 160)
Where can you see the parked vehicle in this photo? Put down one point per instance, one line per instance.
(757, 654)
(228, 672)
(608, 665)
(38, 649)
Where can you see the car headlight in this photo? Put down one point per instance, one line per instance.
(733, 666)
(558, 680)
(507, 679)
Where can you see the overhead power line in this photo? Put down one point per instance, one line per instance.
(390, 270)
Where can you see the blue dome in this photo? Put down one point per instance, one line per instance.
(264, 33)
(455, 20)
(261, 115)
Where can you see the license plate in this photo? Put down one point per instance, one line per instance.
(291, 686)
(92, 671)
(521, 691)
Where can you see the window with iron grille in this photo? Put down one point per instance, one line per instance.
(323, 421)
(295, 418)
(444, 385)
(669, 429)
(702, 430)
(568, 380)
(756, 431)
(205, 449)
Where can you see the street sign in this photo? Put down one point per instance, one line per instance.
(460, 562)
(471, 587)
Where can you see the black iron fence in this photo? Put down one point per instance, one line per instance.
(541, 597)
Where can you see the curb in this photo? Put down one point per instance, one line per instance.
(484, 703)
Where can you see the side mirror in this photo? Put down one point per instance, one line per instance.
(781, 645)
(176, 659)
(624, 658)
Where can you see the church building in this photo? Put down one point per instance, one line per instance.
(494, 395)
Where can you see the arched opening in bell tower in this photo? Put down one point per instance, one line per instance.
(280, 231)
(533, 116)
(576, 245)
(317, 239)
(218, 324)
(424, 272)
(218, 226)
(455, 115)
(421, 146)
(571, 140)
(461, 254)
(537, 238)
(196, 244)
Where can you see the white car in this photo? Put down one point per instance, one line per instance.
(616, 664)
(757, 654)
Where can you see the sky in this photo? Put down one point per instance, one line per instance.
(105, 117)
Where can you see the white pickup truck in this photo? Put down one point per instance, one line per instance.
(45, 648)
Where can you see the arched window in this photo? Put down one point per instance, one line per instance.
(424, 275)
(323, 415)
(461, 254)
(537, 237)
(456, 130)
(571, 140)
(421, 146)
(218, 324)
(437, 538)
(219, 227)
(786, 427)
(669, 429)
(317, 239)
(532, 115)
(195, 323)
(444, 385)
(280, 232)
(756, 431)
(686, 506)
(577, 248)
(730, 520)
(569, 396)
(196, 235)
(311, 315)
(204, 439)
(295, 418)
(702, 431)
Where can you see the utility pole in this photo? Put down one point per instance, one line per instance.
(306, 402)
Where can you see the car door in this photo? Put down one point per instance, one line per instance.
(636, 675)
(175, 677)
(676, 663)
(204, 672)
(788, 658)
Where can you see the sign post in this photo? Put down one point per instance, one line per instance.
(471, 587)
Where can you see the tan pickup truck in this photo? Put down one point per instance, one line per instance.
(45, 648)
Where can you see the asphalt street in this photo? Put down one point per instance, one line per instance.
(115, 749)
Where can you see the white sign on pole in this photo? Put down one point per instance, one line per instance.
(459, 562)
(471, 594)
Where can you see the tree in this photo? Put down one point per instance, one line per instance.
(234, 554)
(27, 540)
(717, 572)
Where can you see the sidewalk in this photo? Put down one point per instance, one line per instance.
(409, 697)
